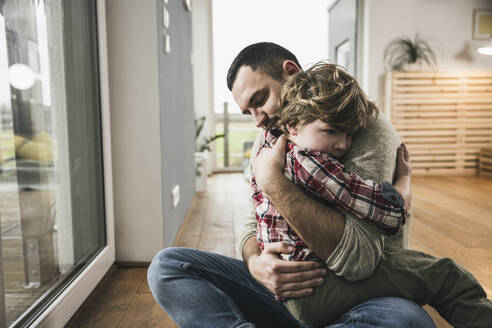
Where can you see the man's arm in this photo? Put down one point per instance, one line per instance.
(268, 268)
(319, 226)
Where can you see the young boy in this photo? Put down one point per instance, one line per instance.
(320, 109)
(313, 162)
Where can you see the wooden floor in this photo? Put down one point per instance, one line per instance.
(451, 218)
(123, 298)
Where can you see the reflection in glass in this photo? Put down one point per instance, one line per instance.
(44, 237)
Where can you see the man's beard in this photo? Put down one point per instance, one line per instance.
(271, 122)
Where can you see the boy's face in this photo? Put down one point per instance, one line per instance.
(320, 136)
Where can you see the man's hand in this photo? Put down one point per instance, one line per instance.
(283, 278)
(403, 174)
(403, 166)
(269, 162)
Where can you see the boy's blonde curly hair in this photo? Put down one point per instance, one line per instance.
(328, 93)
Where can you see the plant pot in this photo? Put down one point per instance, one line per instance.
(201, 171)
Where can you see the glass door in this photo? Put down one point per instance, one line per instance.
(52, 215)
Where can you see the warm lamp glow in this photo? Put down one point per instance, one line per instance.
(21, 76)
(485, 50)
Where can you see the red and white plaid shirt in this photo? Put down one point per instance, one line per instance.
(322, 176)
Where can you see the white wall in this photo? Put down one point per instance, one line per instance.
(447, 24)
(134, 96)
(151, 93)
(203, 69)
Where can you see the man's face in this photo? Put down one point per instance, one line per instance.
(320, 136)
(257, 95)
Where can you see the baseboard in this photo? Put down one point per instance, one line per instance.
(132, 264)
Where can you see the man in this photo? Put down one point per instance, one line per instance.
(327, 232)
(201, 289)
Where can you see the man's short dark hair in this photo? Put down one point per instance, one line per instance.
(267, 57)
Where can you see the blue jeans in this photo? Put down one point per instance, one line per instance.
(203, 289)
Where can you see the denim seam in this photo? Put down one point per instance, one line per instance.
(355, 317)
(246, 325)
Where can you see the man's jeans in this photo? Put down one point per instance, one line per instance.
(203, 289)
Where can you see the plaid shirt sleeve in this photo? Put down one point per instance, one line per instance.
(271, 227)
(322, 175)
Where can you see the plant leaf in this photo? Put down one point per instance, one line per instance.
(404, 50)
(199, 124)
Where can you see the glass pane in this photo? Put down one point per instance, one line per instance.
(233, 151)
(51, 192)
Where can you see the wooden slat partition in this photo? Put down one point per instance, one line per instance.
(486, 162)
(445, 118)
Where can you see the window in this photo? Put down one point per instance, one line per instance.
(51, 176)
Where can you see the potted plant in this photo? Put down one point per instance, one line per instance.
(201, 155)
(402, 53)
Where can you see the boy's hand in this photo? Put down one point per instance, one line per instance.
(403, 167)
(270, 161)
(284, 278)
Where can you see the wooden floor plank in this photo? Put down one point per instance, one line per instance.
(438, 320)
(109, 304)
(190, 232)
(143, 311)
(451, 218)
(143, 286)
(159, 318)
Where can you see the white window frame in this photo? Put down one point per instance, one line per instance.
(66, 304)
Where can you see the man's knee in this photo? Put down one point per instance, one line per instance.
(413, 315)
(170, 254)
(167, 263)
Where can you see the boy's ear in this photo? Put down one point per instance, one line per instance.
(290, 67)
(292, 131)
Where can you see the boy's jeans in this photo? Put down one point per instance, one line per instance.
(203, 289)
(409, 274)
